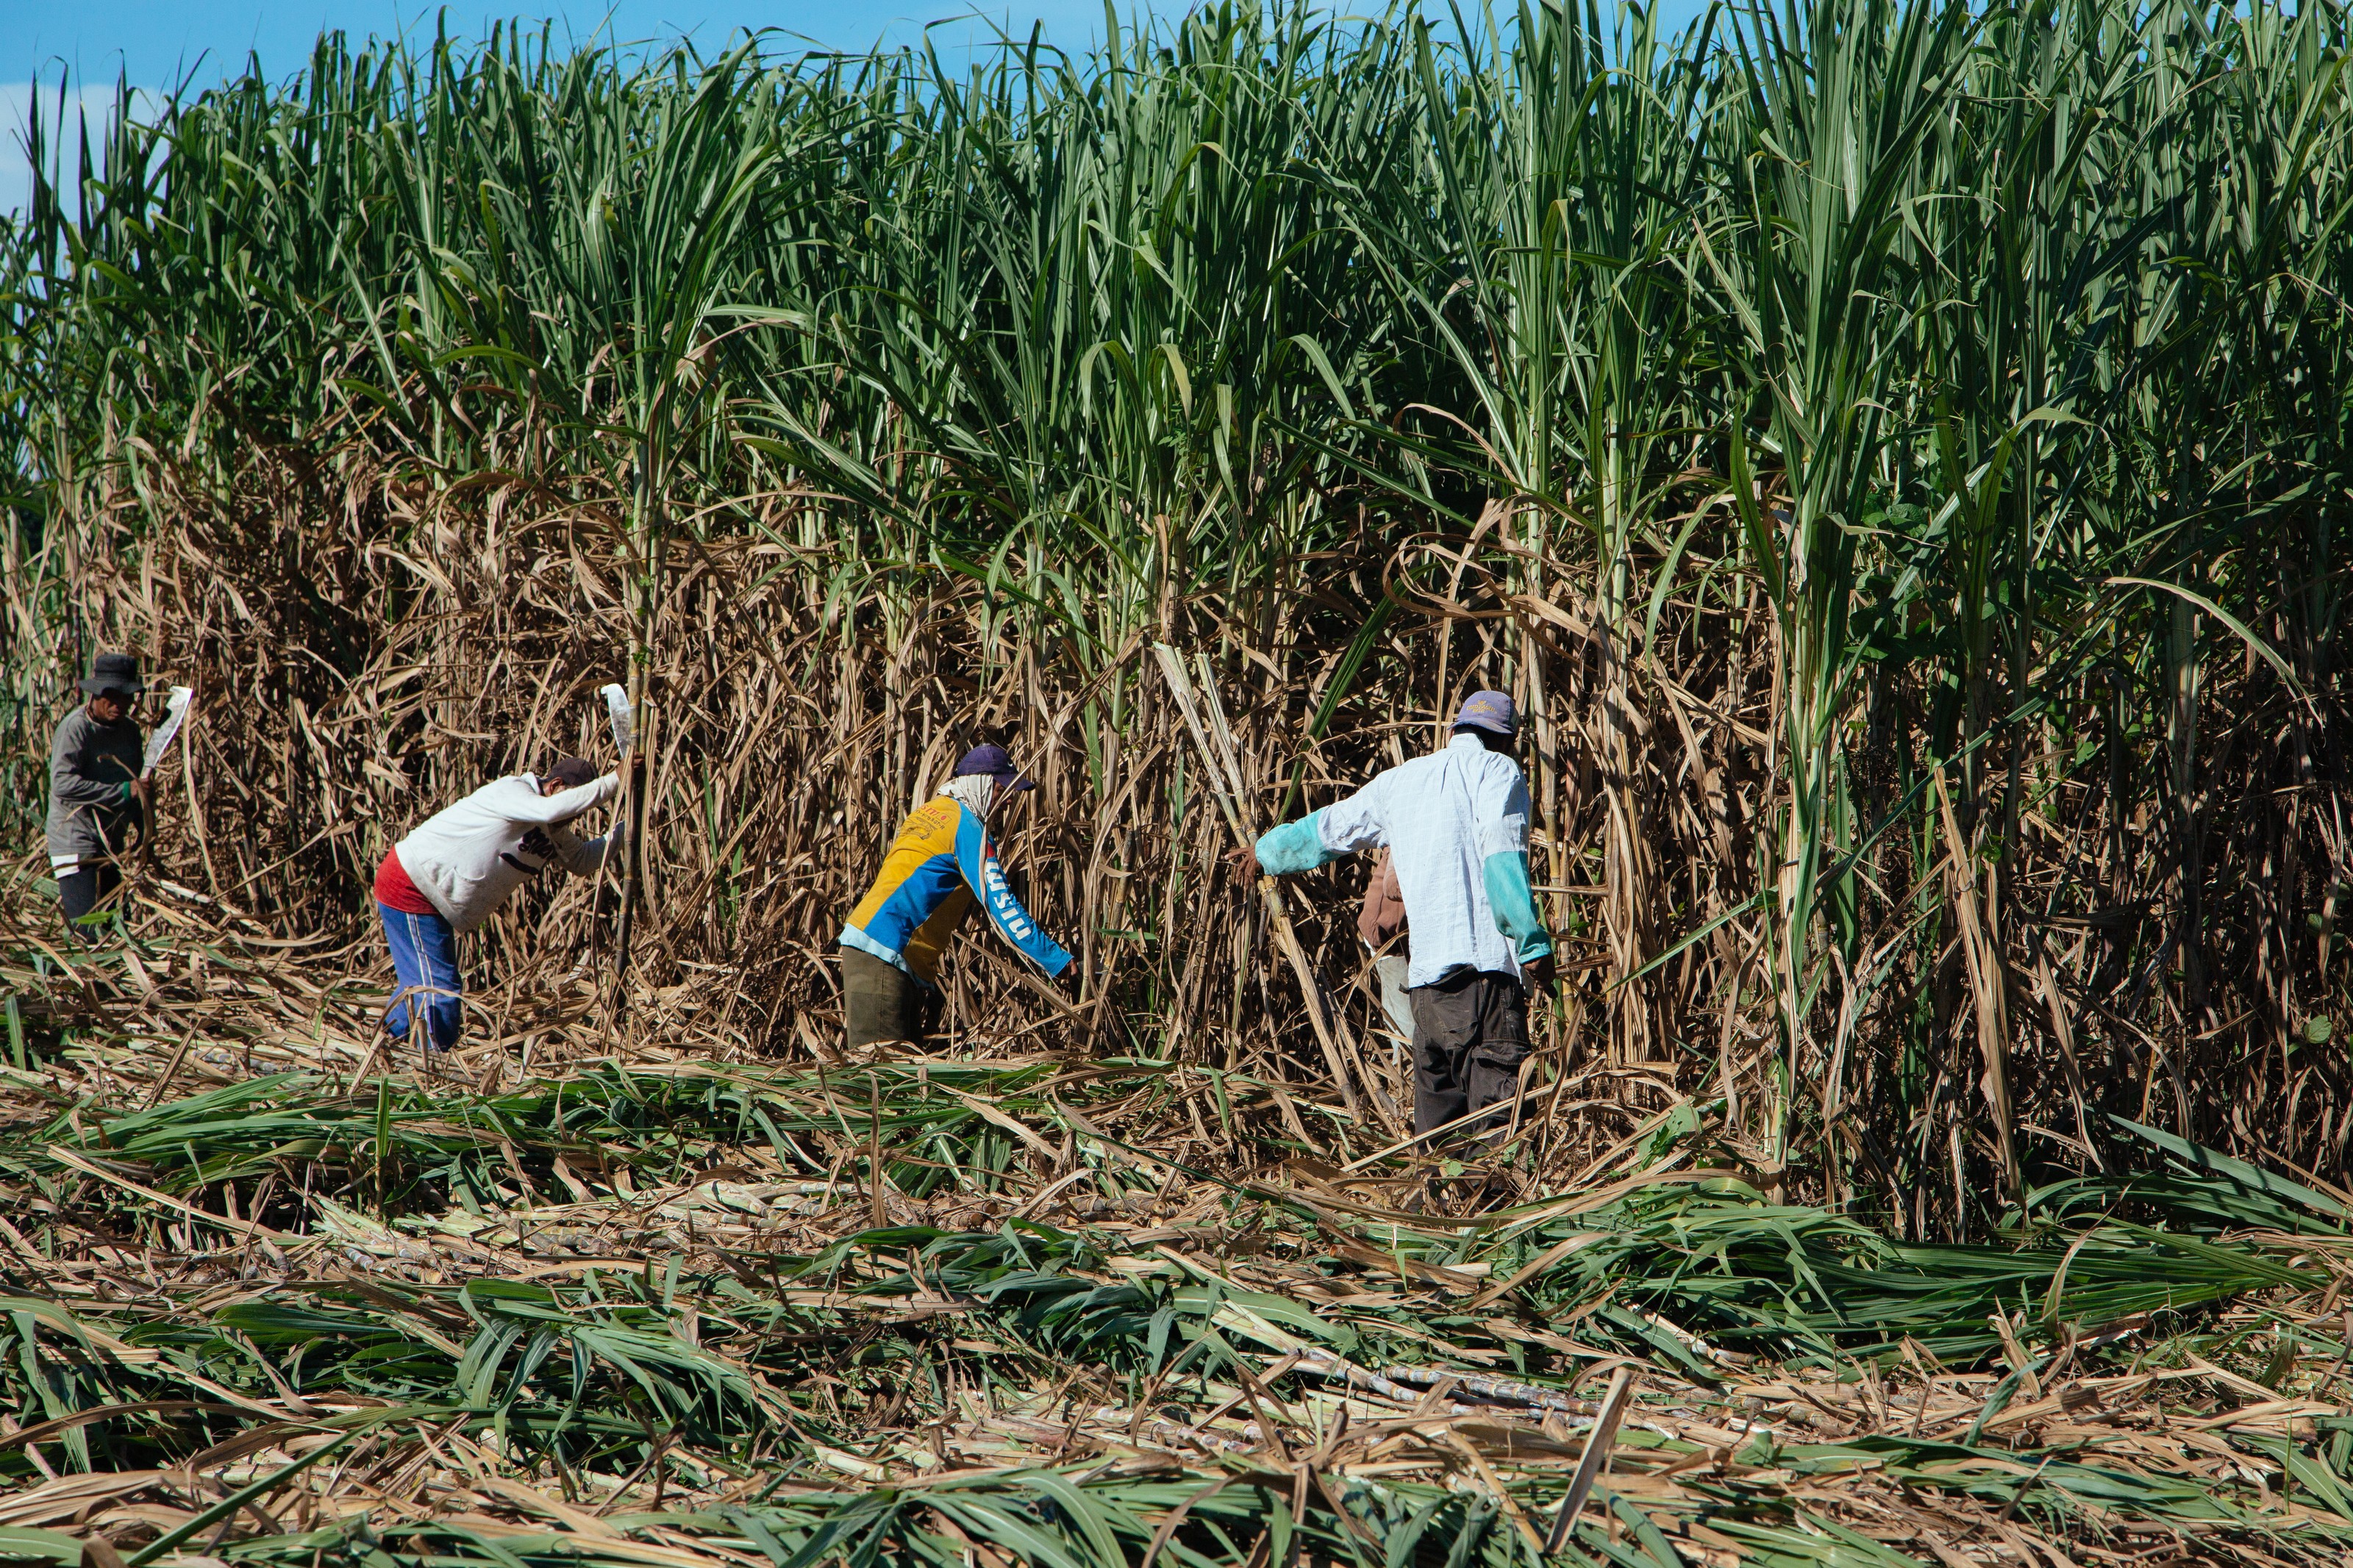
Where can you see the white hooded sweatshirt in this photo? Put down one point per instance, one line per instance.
(468, 859)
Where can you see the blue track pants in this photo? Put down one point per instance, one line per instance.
(426, 979)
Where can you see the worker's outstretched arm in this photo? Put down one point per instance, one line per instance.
(1503, 842)
(976, 858)
(1322, 836)
(579, 856)
(1509, 895)
(528, 805)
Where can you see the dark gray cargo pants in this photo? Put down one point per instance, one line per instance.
(1470, 1036)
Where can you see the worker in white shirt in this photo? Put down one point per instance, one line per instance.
(451, 875)
(1456, 827)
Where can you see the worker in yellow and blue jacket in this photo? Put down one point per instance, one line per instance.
(941, 864)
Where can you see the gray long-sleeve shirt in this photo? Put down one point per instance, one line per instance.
(92, 815)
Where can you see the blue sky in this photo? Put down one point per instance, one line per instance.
(155, 44)
(158, 43)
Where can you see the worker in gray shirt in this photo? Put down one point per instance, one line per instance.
(98, 799)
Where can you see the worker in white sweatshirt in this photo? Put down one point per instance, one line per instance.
(450, 874)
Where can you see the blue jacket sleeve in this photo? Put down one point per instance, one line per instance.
(976, 858)
(1294, 847)
(1506, 876)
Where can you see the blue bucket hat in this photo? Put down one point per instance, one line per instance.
(993, 761)
(1489, 711)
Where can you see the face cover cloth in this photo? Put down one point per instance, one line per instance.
(974, 792)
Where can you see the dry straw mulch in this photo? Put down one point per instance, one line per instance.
(282, 1294)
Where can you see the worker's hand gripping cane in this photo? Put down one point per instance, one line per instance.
(1537, 974)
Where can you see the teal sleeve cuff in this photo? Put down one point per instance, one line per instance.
(1294, 847)
(127, 788)
(1506, 876)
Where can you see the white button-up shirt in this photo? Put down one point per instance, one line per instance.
(1440, 817)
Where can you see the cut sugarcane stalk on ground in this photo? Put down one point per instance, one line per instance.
(1596, 1453)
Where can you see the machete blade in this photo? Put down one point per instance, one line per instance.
(175, 713)
(617, 706)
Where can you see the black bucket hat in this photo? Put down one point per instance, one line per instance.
(113, 672)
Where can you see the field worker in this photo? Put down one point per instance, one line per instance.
(452, 874)
(938, 867)
(97, 798)
(1380, 920)
(1456, 827)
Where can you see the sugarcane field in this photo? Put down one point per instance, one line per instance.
(1311, 790)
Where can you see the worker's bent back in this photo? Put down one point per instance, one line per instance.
(941, 863)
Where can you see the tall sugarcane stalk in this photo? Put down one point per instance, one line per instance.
(1847, 371)
(1837, 153)
(697, 192)
(1215, 752)
(643, 582)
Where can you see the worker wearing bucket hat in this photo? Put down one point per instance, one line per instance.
(98, 794)
(1456, 827)
(942, 863)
